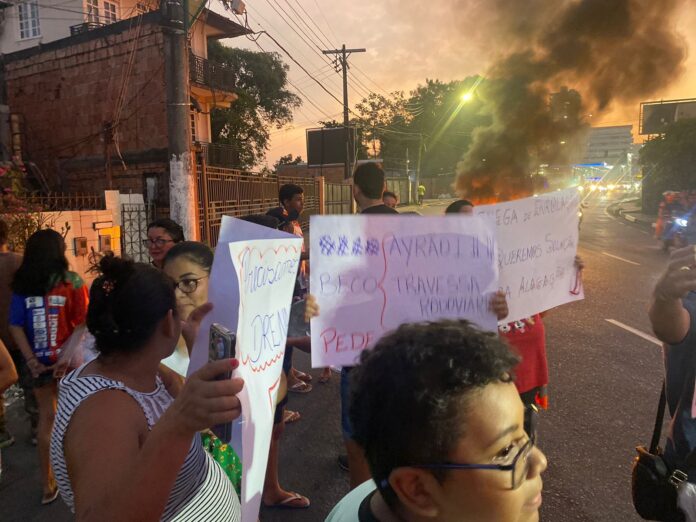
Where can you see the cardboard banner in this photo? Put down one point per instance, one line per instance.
(251, 285)
(370, 274)
(537, 244)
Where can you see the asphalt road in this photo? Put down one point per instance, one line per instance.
(604, 387)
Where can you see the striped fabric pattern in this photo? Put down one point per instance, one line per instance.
(201, 491)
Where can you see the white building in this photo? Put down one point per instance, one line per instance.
(608, 145)
(27, 23)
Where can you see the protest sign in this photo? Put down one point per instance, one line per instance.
(537, 244)
(266, 271)
(372, 273)
(251, 286)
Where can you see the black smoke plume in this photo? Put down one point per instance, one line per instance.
(609, 51)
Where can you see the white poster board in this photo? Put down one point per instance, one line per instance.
(266, 272)
(251, 286)
(537, 244)
(370, 274)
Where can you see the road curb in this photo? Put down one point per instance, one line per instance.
(615, 210)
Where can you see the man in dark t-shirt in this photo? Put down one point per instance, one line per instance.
(368, 186)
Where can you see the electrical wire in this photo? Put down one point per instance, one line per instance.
(305, 37)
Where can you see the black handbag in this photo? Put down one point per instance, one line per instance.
(654, 485)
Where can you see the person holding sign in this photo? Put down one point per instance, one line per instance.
(291, 198)
(188, 264)
(445, 433)
(125, 444)
(369, 185)
(527, 336)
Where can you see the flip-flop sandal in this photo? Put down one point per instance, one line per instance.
(300, 387)
(290, 502)
(49, 498)
(291, 416)
(303, 376)
(324, 379)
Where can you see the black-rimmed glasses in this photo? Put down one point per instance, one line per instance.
(188, 285)
(518, 466)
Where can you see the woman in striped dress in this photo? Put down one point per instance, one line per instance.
(125, 443)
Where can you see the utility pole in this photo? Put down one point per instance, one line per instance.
(342, 62)
(182, 197)
(421, 149)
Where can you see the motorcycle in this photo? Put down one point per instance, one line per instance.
(674, 235)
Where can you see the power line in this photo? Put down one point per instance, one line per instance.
(358, 86)
(294, 86)
(298, 89)
(304, 36)
(325, 20)
(268, 24)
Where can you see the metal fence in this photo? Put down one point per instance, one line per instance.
(58, 201)
(400, 187)
(211, 74)
(234, 192)
(338, 198)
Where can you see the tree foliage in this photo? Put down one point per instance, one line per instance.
(286, 160)
(264, 102)
(393, 126)
(669, 162)
(22, 216)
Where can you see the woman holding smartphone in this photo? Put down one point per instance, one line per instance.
(125, 444)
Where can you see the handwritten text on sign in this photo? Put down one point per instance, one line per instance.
(537, 244)
(372, 273)
(266, 271)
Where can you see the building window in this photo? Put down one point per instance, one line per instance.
(110, 12)
(28, 16)
(93, 11)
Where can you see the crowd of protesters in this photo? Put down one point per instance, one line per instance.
(408, 407)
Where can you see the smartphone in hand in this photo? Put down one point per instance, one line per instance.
(222, 345)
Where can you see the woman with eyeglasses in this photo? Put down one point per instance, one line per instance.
(444, 431)
(188, 264)
(162, 235)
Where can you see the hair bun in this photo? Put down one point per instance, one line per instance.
(115, 269)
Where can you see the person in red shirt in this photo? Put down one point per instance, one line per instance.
(527, 337)
(48, 303)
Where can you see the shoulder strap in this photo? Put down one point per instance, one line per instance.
(657, 431)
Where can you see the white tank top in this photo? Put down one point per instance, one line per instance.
(201, 491)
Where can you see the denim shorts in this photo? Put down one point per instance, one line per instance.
(345, 404)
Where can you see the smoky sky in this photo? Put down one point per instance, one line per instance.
(610, 51)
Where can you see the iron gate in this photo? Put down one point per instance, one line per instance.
(134, 232)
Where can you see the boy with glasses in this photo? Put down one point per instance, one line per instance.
(444, 431)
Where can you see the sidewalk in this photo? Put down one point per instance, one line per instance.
(631, 210)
